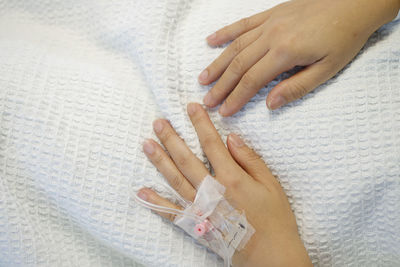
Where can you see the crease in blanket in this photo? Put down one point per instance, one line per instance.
(211, 220)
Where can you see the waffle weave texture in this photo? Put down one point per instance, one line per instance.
(80, 84)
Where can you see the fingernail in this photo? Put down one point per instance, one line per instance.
(235, 140)
(203, 76)
(142, 195)
(191, 109)
(148, 147)
(212, 37)
(207, 100)
(276, 102)
(223, 110)
(158, 126)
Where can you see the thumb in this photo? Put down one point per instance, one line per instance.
(300, 84)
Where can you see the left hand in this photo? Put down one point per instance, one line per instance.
(250, 187)
(322, 35)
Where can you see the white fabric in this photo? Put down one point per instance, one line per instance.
(81, 82)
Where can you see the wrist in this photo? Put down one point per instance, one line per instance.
(397, 10)
(389, 10)
(372, 14)
(282, 251)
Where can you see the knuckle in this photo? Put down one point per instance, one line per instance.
(209, 140)
(232, 102)
(276, 28)
(219, 91)
(158, 159)
(296, 90)
(245, 23)
(234, 183)
(288, 50)
(167, 135)
(275, 188)
(252, 156)
(197, 118)
(237, 66)
(176, 182)
(284, 51)
(236, 46)
(218, 63)
(182, 160)
(248, 81)
(214, 66)
(229, 101)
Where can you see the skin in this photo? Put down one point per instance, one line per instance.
(321, 35)
(250, 187)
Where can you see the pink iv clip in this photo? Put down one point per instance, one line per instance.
(202, 228)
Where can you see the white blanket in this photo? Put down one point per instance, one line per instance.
(81, 82)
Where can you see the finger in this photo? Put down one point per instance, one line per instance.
(164, 164)
(249, 160)
(239, 65)
(236, 29)
(218, 66)
(150, 196)
(211, 142)
(263, 72)
(301, 83)
(188, 164)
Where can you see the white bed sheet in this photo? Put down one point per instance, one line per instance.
(81, 82)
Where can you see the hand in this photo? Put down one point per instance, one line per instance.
(322, 35)
(249, 184)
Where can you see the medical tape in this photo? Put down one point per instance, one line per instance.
(211, 220)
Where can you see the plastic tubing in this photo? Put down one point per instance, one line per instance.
(198, 219)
